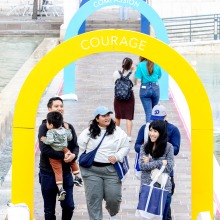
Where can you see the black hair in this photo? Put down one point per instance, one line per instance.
(126, 64)
(95, 130)
(161, 142)
(51, 100)
(55, 118)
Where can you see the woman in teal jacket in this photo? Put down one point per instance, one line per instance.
(148, 74)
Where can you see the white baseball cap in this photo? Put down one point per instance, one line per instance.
(158, 112)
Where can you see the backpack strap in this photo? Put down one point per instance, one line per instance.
(129, 74)
(120, 73)
(125, 76)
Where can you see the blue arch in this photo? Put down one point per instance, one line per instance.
(94, 5)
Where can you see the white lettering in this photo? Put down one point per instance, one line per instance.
(95, 42)
(107, 41)
(131, 42)
(113, 41)
(101, 2)
(129, 2)
(124, 41)
(142, 45)
(84, 48)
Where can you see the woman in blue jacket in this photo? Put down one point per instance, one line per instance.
(148, 74)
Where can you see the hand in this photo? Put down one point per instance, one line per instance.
(66, 125)
(42, 138)
(133, 68)
(112, 159)
(145, 159)
(69, 157)
(164, 162)
(66, 152)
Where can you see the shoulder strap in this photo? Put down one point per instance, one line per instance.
(100, 142)
(154, 180)
(120, 73)
(129, 74)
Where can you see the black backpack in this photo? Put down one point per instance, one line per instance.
(123, 87)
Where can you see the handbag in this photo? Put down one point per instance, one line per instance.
(137, 170)
(122, 168)
(155, 172)
(86, 159)
(152, 199)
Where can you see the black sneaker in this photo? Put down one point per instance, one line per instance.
(78, 181)
(61, 194)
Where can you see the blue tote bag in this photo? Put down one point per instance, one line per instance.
(152, 199)
(137, 170)
(122, 168)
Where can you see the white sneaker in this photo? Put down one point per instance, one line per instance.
(129, 138)
(113, 217)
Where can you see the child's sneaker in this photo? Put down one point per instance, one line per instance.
(61, 194)
(78, 181)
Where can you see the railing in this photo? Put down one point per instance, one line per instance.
(193, 28)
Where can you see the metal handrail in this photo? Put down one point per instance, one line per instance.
(193, 28)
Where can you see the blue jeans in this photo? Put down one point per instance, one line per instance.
(49, 192)
(149, 95)
(167, 206)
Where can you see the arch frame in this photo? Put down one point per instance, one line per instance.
(139, 44)
(93, 5)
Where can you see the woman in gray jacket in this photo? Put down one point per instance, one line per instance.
(101, 180)
(157, 152)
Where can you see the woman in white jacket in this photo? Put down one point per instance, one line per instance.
(101, 180)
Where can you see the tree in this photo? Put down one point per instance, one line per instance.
(35, 6)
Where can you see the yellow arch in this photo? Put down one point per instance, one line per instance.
(114, 41)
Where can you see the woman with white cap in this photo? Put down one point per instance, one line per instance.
(101, 180)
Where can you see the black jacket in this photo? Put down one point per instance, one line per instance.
(48, 152)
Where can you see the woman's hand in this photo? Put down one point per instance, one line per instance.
(69, 157)
(164, 162)
(112, 159)
(145, 159)
(133, 68)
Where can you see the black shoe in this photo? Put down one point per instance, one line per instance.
(61, 194)
(78, 181)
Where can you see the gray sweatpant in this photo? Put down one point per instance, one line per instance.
(101, 183)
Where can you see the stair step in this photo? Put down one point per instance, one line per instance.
(136, 22)
(92, 25)
(48, 33)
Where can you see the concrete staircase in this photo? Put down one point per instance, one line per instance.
(52, 27)
(30, 27)
(133, 25)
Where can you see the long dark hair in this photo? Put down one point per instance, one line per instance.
(95, 130)
(150, 65)
(126, 64)
(161, 142)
